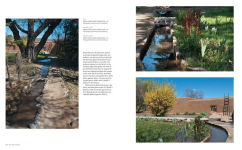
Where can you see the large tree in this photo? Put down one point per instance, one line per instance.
(194, 93)
(69, 47)
(30, 50)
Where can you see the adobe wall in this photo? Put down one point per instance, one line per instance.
(199, 105)
(49, 47)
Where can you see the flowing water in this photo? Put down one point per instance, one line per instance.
(159, 51)
(45, 69)
(160, 55)
(218, 135)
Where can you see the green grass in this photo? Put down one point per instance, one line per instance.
(42, 56)
(10, 55)
(152, 131)
(11, 58)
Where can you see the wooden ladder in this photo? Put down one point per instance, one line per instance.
(226, 110)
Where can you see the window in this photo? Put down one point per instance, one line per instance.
(213, 108)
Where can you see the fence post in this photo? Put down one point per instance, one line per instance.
(19, 65)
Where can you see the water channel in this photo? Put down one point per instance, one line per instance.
(160, 55)
(25, 117)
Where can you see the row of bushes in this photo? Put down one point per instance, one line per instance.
(201, 115)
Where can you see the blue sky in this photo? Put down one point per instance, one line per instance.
(23, 24)
(212, 87)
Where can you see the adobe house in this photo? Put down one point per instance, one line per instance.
(209, 105)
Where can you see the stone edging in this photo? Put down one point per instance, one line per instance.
(223, 128)
(207, 137)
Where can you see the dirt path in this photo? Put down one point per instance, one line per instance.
(144, 23)
(57, 111)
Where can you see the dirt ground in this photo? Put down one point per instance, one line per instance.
(57, 96)
(144, 23)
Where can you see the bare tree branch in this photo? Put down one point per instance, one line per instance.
(21, 29)
(42, 27)
(47, 34)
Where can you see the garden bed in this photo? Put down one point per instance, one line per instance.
(152, 130)
(208, 44)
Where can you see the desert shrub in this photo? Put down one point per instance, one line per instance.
(177, 113)
(160, 98)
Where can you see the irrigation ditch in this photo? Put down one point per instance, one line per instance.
(27, 113)
(160, 51)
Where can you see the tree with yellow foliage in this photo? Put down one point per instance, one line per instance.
(160, 98)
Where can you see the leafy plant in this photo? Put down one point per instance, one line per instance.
(203, 114)
(186, 113)
(152, 131)
(200, 129)
(203, 47)
(193, 113)
(160, 98)
(191, 22)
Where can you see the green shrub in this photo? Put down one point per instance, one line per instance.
(177, 113)
(203, 114)
(186, 113)
(174, 120)
(193, 113)
(180, 15)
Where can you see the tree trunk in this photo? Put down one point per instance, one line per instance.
(17, 38)
(31, 51)
(19, 65)
(9, 79)
(43, 40)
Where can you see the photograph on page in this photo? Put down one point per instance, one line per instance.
(185, 110)
(41, 73)
(189, 38)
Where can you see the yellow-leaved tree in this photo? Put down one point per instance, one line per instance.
(160, 98)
